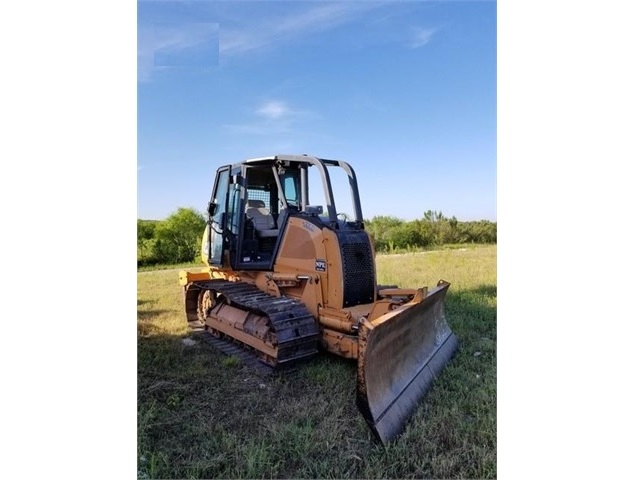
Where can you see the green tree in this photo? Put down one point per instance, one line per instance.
(408, 235)
(383, 230)
(433, 216)
(178, 237)
(145, 233)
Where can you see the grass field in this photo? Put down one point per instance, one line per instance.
(204, 415)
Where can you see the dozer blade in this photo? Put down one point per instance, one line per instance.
(400, 354)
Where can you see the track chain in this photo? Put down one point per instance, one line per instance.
(295, 329)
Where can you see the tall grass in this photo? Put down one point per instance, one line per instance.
(201, 415)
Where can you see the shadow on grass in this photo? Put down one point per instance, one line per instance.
(202, 417)
(473, 313)
(486, 290)
(146, 315)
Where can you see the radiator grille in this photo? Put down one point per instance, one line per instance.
(359, 278)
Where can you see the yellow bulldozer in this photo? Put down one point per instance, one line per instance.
(286, 278)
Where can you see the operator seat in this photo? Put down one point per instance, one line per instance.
(263, 221)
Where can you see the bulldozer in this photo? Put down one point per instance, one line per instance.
(286, 279)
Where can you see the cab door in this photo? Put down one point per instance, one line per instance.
(215, 243)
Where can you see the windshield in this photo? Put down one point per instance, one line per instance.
(291, 187)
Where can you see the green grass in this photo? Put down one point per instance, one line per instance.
(204, 415)
(150, 268)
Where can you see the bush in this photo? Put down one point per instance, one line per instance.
(176, 239)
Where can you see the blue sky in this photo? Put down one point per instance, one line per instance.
(403, 91)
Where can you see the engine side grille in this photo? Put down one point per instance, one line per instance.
(359, 275)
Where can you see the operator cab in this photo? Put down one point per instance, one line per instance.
(252, 201)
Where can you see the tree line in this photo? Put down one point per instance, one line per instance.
(177, 239)
(391, 234)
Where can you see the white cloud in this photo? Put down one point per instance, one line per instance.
(271, 117)
(274, 110)
(272, 30)
(239, 32)
(185, 36)
(244, 27)
(163, 45)
(421, 36)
